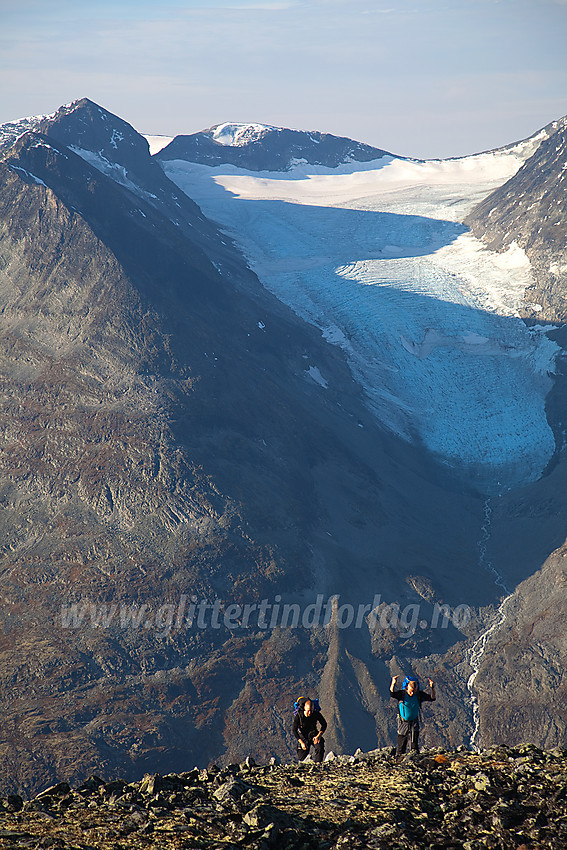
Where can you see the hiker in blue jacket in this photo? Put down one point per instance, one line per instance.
(409, 704)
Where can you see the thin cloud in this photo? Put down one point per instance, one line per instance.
(389, 72)
(239, 6)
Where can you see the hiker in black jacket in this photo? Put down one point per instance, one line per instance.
(409, 705)
(305, 730)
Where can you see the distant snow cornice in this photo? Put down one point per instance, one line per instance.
(12, 130)
(234, 134)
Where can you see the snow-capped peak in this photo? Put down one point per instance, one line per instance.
(12, 130)
(235, 135)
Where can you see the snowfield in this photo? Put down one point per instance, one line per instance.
(156, 143)
(375, 255)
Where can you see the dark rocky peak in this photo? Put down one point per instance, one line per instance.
(112, 147)
(96, 134)
(262, 148)
(91, 130)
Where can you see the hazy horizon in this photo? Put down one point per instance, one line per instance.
(423, 79)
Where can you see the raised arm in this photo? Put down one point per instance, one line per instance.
(393, 684)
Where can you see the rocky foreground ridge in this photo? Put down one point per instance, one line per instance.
(497, 798)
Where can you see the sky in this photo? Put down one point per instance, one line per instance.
(421, 78)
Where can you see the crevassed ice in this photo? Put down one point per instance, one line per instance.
(374, 254)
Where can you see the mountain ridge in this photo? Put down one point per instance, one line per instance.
(242, 135)
(260, 147)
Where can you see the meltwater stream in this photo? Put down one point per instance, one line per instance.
(476, 652)
(375, 256)
(475, 659)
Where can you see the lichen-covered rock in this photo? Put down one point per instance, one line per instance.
(443, 800)
(230, 791)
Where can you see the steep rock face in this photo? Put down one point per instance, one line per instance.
(520, 681)
(116, 150)
(101, 502)
(261, 148)
(530, 210)
(165, 444)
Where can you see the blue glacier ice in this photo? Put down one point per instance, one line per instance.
(428, 317)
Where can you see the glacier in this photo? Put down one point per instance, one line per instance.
(376, 256)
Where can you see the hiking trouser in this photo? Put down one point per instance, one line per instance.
(408, 730)
(318, 750)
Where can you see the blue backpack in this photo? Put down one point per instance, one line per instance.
(300, 702)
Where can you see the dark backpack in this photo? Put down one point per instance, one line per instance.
(300, 702)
